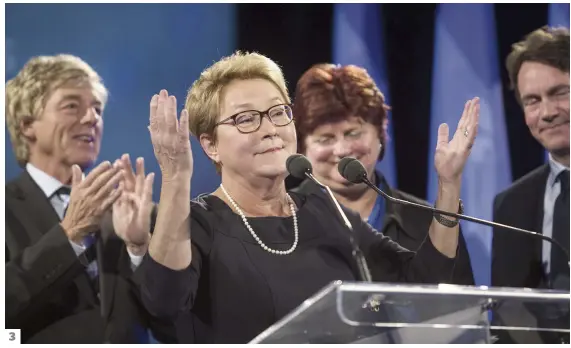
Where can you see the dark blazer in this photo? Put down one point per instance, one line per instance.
(49, 296)
(408, 226)
(517, 259)
(521, 205)
(233, 290)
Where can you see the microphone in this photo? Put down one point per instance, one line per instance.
(354, 171)
(300, 167)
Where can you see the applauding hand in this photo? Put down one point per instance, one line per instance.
(170, 138)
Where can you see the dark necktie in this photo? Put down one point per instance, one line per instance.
(559, 274)
(64, 191)
(88, 241)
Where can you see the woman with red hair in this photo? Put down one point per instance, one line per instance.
(340, 112)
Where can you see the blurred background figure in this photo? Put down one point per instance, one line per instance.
(539, 71)
(538, 67)
(70, 263)
(340, 112)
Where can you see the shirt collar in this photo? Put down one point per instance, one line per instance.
(555, 168)
(46, 182)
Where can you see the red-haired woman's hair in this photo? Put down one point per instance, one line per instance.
(327, 93)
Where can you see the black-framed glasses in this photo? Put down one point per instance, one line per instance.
(250, 121)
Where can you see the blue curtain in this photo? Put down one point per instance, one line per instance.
(358, 40)
(558, 15)
(466, 65)
(137, 49)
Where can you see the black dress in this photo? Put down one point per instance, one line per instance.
(233, 289)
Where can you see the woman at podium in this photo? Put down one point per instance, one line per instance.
(235, 261)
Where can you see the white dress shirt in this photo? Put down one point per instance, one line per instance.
(552, 190)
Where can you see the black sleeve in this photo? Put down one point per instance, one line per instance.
(501, 244)
(463, 273)
(165, 292)
(389, 262)
(163, 329)
(44, 268)
(116, 262)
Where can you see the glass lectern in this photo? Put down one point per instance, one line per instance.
(353, 312)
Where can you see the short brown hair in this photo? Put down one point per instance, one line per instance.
(549, 46)
(329, 93)
(204, 97)
(28, 92)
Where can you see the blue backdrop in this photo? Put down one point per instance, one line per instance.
(467, 33)
(358, 39)
(137, 49)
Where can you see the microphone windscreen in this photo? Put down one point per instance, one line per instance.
(351, 169)
(297, 165)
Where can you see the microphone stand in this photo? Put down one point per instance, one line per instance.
(464, 217)
(363, 268)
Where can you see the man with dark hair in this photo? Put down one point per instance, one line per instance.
(539, 72)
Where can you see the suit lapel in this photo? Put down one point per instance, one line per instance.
(526, 212)
(539, 198)
(530, 210)
(32, 207)
(109, 251)
(35, 211)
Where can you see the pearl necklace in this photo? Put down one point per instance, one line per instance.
(265, 247)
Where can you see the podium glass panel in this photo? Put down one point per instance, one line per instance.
(350, 312)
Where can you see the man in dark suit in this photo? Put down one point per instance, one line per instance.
(539, 72)
(71, 262)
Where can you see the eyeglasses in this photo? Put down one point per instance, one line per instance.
(250, 121)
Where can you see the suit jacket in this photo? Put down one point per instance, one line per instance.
(408, 226)
(517, 259)
(521, 205)
(49, 295)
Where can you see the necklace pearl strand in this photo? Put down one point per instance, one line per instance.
(265, 247)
